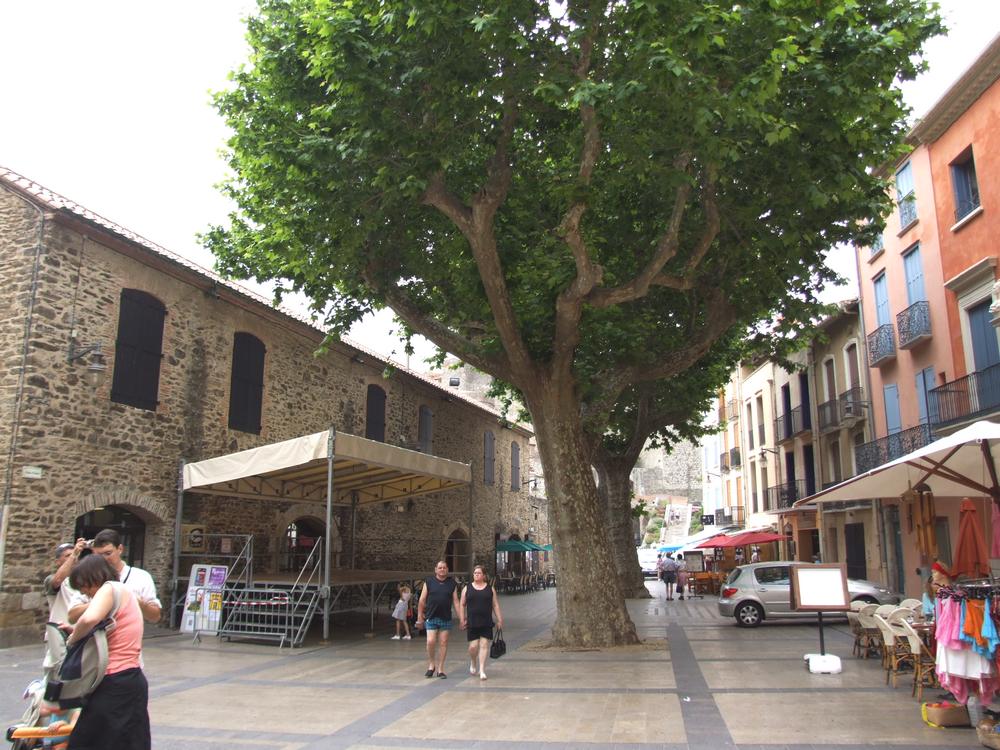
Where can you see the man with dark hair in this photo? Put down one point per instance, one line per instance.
(109, 545)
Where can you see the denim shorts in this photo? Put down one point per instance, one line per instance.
(436, 623)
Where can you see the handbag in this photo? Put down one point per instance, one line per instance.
(499, 647)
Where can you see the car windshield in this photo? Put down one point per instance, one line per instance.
(773, 575)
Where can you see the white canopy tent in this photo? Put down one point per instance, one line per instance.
(327, 468)
(963, 463)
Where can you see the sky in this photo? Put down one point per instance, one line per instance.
(108, 103)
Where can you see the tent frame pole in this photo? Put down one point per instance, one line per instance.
(175, 583)
(331, 444)
(471, 561)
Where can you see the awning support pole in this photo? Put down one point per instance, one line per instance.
(331, 444)
(175, 583)
(354, 525)
(471, 514)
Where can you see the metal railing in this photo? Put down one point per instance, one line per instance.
(975, 395)
(733, 410)
(914, 324)
(733, 515)
(881, 345)
(907, 211)
(877, 452)
(784, 495)
(852, 404)
(792, 423)
(735, 459)
(828, 415)
(724, 461)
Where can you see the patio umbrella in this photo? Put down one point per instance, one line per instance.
(949, 467)
(753, 537)
(719, 540)
(971, 558)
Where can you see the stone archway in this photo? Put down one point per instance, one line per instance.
(314, 524)
(458, 551)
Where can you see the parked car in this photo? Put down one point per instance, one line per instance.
(647, 561)
(760, 591)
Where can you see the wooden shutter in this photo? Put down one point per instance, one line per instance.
(375, 414)
(515, 466)
(246, 385)
(489, 456)
(138, 350)
(425, 429)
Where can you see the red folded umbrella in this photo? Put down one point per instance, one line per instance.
(719, 540)
(971, 558)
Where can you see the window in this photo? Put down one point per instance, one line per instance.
(964, 184)
(906, 199)
(926, 403)
(773, 575)
(852, 365)
(882, 314)
(836, 466)
(914, 276)
(877, 247)
(138, 350)
(515, 467)
(246, 385)
(375, 414)
(425, 429)
(749, 424)
(489, 457)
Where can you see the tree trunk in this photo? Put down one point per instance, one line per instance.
(590, 603)
(615, 492)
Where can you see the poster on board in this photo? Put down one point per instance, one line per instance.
(203, 601)
(820, 588)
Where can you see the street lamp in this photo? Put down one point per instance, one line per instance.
(763, 454)
(95, 360)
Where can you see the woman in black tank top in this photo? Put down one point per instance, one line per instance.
(479, 605)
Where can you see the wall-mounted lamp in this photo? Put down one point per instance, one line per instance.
(357, 358)
(95, 360)
(763, 454)
(403, 507)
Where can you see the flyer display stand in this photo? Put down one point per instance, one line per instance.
(203, 602)
(820, 588)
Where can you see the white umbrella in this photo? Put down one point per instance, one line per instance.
(959, 465)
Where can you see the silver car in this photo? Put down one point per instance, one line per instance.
(753, 593)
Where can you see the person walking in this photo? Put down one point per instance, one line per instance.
(682, 575)
(437, 598)
(116, 713)
(480, 605)
(669, 575)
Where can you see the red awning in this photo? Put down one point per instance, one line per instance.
(749, 537)
(719, 540)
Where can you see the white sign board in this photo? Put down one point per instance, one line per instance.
(820, 588)
(203, 601)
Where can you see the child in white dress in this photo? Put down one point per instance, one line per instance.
(399, 612)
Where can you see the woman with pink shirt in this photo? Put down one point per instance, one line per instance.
(115, 715)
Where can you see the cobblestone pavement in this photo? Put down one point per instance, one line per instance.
(699, 683)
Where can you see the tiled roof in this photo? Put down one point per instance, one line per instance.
(56, 202)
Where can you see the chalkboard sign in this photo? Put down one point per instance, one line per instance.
(820, 588)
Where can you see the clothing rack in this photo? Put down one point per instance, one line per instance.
(977, 588)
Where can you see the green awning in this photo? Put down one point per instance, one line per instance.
(515, 545)
(547, 547)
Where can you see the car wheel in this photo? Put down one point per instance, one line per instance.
(749, 615)
(866, 599)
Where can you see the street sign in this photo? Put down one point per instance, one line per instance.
(708, 520)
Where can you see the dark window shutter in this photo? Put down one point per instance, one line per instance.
(375, 414)
(246, 389)
(138, 350)
(425, 429)
(488, 457)
(515, 466)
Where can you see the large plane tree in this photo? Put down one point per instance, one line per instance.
(575, 197)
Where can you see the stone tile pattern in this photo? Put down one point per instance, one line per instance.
(95, 452)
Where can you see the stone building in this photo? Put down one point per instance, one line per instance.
(196, 367)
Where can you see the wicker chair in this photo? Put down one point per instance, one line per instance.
(924, 674)
(895, 648)
(871, 636)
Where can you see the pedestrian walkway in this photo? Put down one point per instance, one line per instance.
(714, 686)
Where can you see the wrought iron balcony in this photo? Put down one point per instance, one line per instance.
(974, 396)
(733, 410)
(907, 211)
(914, 324)
(829, 415)
(735, 459)
(792, 423)
(724, 462)
(731, 516)
(852, 404)
(877, 452)
(881, 345)
(783, 496)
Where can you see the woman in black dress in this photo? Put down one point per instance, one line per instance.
(479, 606)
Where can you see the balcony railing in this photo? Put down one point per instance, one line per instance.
(877, 452)
(975, 395)
(914, 324)
(735, 459)
(731, 516)
(784, 495)
(724, 461)
(828, 414)
(852, 404)
(907, 211)
(791, 423)
(881, 345)
(733, 410)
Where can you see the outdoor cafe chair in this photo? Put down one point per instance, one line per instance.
(923, 661)
(914, 604)
(895, 648)
(871, 637)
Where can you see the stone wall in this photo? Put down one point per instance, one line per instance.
(93, 452)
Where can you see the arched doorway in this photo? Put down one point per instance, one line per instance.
(131, 528)
(457, 552)
(301, 536)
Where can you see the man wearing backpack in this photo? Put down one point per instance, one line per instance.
(108, 544)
